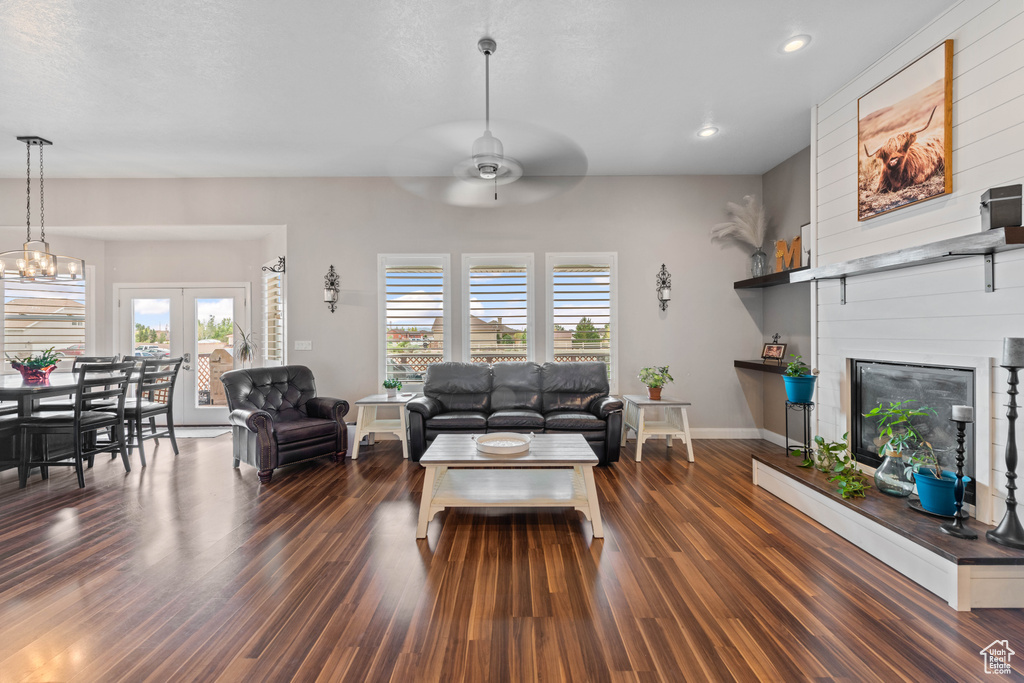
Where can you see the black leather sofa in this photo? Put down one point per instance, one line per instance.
(277, 418)
(554, 398)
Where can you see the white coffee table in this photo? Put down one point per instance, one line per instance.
(557, 471)
(675, 422)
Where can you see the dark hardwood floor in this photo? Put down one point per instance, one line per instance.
(188, 570)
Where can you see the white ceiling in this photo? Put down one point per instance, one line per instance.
(195, 88)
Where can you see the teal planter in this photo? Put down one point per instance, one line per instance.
(937, 495)
(800, 389)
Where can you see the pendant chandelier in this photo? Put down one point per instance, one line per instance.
(34, 262)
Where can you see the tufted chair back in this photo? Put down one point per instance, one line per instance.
(281, 391)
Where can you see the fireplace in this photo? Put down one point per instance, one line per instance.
(934, 386)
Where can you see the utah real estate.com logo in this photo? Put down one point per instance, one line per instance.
(997, 657)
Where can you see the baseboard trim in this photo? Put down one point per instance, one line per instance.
(725, 433)
(779, 439)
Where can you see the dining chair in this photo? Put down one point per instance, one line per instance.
(96, 382)
(151, 375)
(65, 404)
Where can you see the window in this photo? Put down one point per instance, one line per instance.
(496, 317)
(273, 317)
(415, 314)
(581, 309)
(40, 315)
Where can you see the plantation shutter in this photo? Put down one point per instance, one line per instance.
(498, 313)
(41, 315)
(415, 335)
(273, 322)
(582, 314)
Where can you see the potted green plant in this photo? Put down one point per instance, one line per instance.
(36, 368)
(935, 486)
(654, 378)
(245, 347)
(391, 387)
(898, 438)
(799, 380)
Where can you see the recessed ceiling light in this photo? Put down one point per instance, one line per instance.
(796, 43)
(707, 131)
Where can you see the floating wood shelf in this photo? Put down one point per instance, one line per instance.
(770, 280)
(771, 368)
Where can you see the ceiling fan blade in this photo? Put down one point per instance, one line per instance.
(423, 163)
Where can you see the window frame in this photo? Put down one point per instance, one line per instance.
(601, 258)
(470, 261)
(90, 322)
(385, 261)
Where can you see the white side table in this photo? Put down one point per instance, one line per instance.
(367, 422)
(675, 423)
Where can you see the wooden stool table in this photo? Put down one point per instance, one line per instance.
(557, 471)
(367, 422)
(676, 423)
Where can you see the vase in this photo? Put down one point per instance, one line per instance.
(34, 375)
(391, 392)
(799, 389)
(758, 264)
(654, 393)
(893, 476)
(938, 495)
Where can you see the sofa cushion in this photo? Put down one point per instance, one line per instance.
(460, 386)
(290, 431)
(572, 386)
(515, 419)
(458, 420)
(515, 386)
(572, 420)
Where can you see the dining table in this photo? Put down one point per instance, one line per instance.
(27, 396)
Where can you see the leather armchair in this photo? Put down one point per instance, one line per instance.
(277, 418)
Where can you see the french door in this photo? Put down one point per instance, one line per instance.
(196, 323)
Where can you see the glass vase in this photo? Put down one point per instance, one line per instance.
(758, 264)
(893, 477)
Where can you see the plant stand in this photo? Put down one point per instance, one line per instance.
(806, 409)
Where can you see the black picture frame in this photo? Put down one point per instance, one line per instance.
(773, 353)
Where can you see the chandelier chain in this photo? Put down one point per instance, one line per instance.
(28, 192)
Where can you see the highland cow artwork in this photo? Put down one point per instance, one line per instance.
(904, 136)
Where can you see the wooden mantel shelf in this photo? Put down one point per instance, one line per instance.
(985, 244)
(977, 244)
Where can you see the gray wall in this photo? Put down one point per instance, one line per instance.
(347, 222)
(787, 309)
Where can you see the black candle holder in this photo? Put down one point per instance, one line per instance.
(1010, 532)
(958, 526)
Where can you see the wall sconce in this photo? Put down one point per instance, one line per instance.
(331, 283)
(664, 287)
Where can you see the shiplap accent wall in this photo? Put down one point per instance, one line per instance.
(940, 309)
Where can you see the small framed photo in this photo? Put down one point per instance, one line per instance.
(773, 352)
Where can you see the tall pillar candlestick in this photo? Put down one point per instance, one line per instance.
(957, 527)
(1010, 532)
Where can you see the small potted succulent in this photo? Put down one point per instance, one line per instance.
(654, 378)
(391, 386)
(36, 368)
(799, 380)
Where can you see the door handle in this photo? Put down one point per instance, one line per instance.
(187, 367)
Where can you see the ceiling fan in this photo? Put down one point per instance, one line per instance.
(455, 164)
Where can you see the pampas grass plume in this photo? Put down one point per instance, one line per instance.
(748, 224)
